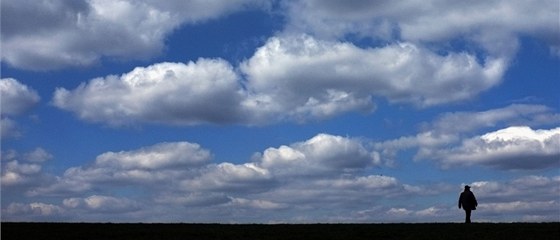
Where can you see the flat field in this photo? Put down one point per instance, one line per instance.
(138, 231)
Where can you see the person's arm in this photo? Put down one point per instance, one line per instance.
(475, 202)
(460, 198)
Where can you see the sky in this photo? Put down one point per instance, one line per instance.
(296, 111)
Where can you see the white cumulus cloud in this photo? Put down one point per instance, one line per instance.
(44, 35)
(494, 24)
(292, 71)
(322, 154)
(16, 98)
(205, 91)
(517, 147)
(296, 78)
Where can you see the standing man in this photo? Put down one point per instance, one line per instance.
(468, 202)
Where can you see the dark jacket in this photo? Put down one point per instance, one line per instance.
(467, 200)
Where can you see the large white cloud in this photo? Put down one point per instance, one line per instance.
(290, 78)
(322, 154)
(41, 35)
(205, 91)
(478, 139)
(517, 147)
(294, 70)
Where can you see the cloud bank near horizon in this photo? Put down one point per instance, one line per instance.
(290, 178)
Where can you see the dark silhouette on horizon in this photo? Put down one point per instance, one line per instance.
(467, 200)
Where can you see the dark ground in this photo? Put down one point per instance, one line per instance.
(434, 231)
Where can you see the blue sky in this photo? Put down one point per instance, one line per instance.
(279, 111)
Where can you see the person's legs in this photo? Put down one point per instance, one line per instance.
(468, 216)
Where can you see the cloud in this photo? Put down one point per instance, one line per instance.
(326, 178)
(23, 169)
(159, 156)
(322, 154)
(16, 99)
(38, 155)
(231, 178)
(294, 70)
(102, 204)
(517, 147)
(288, 79)
(515, 114)
(34, 209)
(542, 189)
(9, 129)
(531, 198)
(205, 91)
(150, 166)
(44, 35)
(451, 144)
(56, 34)
(493, 25)
(180, 175)
(188, 166)
(17, 173)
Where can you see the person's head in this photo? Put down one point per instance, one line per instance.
(467, 188)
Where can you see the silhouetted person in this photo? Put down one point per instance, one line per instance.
(468, 202)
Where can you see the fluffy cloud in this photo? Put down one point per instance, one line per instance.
(23, 169)
(501, 200)
(41, 35)
(292, 78)
(187, 166)
(300, 70)
(322, 154)
(179, 174)
(16, 173)
(173, 93)
(492, 24)
(230, 177)
(149, 166)
(57, 34)
(517, 147)
(159, 156)
(496, 145)
(324, 178)
(16, 99)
